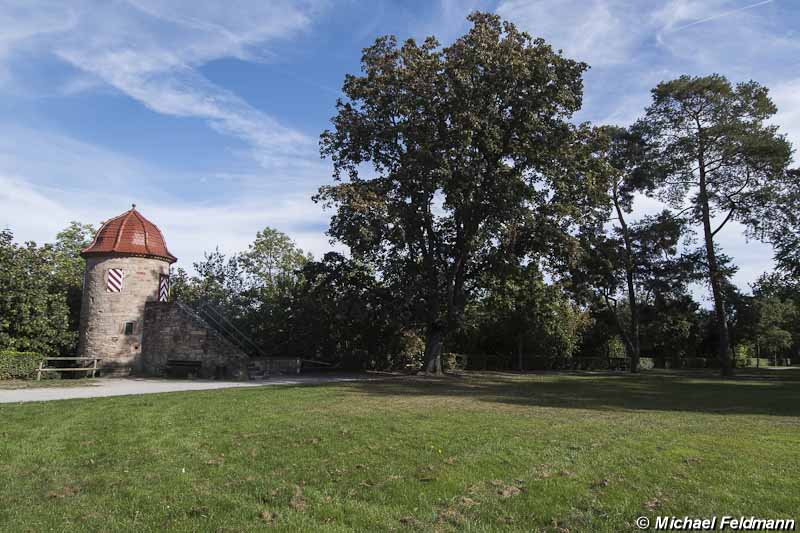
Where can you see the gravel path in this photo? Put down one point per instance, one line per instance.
(103, 387)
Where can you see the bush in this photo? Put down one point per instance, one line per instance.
(616, 348)
(18, 365)
(647, 363)
(411, 352)
(454, 361)
(742, 355)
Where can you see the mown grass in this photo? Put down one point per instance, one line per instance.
(482, 452)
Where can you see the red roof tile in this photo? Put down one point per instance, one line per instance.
(130, 234)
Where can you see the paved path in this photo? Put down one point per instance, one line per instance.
(102, 387)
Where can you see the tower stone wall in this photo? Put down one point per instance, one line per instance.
(173, 331)
(104, 314)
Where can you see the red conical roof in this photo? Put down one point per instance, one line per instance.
(130, 234)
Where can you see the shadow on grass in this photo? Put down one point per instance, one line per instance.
(764, 392)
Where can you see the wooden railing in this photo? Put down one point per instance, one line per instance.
(92, 368)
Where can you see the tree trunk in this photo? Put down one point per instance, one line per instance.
(635, 344)
(633, 341)
(520, 340)
(433, 351)
(758, 353)
(723, 347)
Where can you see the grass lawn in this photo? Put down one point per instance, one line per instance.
(483, 452)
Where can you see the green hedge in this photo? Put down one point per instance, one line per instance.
(18, 365)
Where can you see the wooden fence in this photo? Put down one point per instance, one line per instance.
(92, 368)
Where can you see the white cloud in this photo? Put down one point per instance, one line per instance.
(190, 230)
(24, 22)
(681, 14)
(786, 96)
(678, 13)
(600, 32)
(150, 50)
(72, 180)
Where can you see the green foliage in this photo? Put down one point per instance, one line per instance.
(69, 266)
(647, 363)
(18, 365)
(456, 361)
(616, 348)
(270, 265)
(252, 289)
(776, 220)
(714, 149)
(743, 353)
(518, 317)
(34, 311)
(469, 145)
(342, 313)
(410, 353)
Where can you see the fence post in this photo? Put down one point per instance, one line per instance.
(94, 368)
(39, 371)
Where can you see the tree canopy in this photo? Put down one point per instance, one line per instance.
(715, 152)
(470, 150)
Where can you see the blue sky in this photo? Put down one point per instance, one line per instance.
(207, 114)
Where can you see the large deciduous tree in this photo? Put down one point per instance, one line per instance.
(34, 315)
(69, 266)
(467, 146)
(718, 154)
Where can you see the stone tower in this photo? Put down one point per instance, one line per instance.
(127, 265)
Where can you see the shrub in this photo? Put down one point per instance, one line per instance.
(616, 348)
(742, 355)
(646, 363)
(411, 351)
(454, 361)
(18, 365)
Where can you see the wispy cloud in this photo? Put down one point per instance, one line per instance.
(150, 50)
(721, 15)
(786, 96)
(600, 32)
(24, 22)
(190, 230)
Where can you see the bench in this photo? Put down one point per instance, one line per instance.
(181, 368)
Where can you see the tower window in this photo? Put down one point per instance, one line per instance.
(129, 328)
